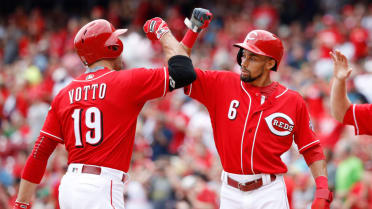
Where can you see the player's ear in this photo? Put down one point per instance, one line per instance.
(270, 64)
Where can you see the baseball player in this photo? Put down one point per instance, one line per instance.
(357, 115)
(255, 120)
(95, 116)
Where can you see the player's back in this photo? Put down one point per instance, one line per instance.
(98, 111)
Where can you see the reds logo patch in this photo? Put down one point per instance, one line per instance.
(280, 124)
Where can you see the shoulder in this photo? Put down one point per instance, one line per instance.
(142, 71)
(285, 92)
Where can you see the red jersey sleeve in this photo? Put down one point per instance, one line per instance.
(149, 83)
(38, 159)
(52, 127)
(304, 135)
(203, 88)
(359, 116)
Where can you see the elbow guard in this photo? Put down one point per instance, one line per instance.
(181, 72)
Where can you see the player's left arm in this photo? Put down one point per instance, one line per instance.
(323, 196)
(315, 159)
(309, 146)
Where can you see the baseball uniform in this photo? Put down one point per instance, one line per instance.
(359, 116)
(252, 129)
(95, 118)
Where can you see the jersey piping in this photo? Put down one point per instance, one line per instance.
(281, 93)
(355, 121)
(190, 90)
(94, 78)
(308, 145)
(60, 139)
(245, 125)
(254, 140)
(165, 81)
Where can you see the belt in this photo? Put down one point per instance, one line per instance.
(96, 170)
(248, 186)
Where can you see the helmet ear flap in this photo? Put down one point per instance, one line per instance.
(114, 50)
(239, 56)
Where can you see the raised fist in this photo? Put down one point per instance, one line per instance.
(200, 19)
(155, 28)
(19, 205)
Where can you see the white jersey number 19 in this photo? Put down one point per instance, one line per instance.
(93, 121)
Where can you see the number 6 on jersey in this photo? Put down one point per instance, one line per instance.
(232, 110)
(93, 121)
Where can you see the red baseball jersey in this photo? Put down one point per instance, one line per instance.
(251, 131)
(360, 117)
(95, 116)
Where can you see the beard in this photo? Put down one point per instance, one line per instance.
(248, 78)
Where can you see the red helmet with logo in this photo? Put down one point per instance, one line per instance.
(98, 40)
(263, 43)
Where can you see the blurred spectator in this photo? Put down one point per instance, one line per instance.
(349, 170)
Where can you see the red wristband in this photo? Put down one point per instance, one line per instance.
(321, 182)
(189, 38)
(19, 205)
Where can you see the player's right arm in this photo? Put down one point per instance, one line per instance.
(34, 169)
(180, 68)
(157, 29)
(340, 103)
(200, 19)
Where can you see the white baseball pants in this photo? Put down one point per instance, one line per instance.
(90, 191)
(270, 195)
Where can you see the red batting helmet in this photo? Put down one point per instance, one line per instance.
(98, 40)
(263, 43)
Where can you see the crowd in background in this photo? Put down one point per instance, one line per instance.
(174, 163)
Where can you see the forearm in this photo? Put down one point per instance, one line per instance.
(34, 168)
(339, 100)
(172, 47)
(319, 168)
(26, 191)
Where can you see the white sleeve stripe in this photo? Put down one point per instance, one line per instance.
(165, 81)
(190, 90)
(51, 135)
(308, 145)
(355, 121)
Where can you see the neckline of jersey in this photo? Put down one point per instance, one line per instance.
(95, 69)
(261, 90)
